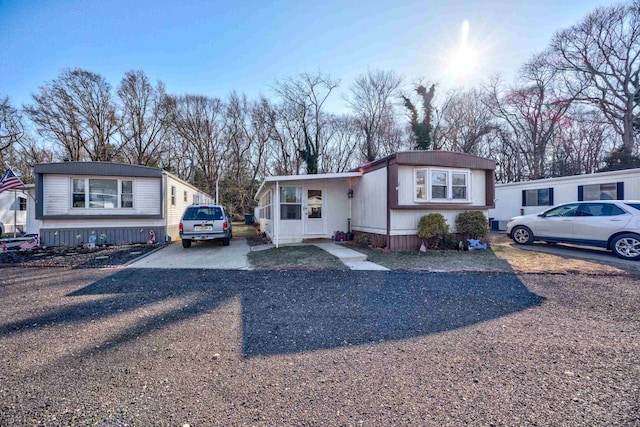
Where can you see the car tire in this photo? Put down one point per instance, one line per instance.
(225, 241)
(626, 246)
(522, 235)
(186, 243)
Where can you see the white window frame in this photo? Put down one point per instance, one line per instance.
(428, 190)
(296, 203)
(87, 190)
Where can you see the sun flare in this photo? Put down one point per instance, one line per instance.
(463, 60)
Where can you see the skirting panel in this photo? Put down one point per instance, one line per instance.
(109, 236)
(396, 243)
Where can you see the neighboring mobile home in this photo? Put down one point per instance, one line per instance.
(117, 203)
(529, 197)
(385, 198)
(13, 210)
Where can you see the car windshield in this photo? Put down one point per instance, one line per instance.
(203, 213)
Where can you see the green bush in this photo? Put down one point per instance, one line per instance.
(432, 228)
(473, 224)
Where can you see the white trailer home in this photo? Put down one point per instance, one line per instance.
(385, 198)
(13, 211)
(118, 203)
(523, 198)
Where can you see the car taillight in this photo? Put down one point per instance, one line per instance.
(180, 226)
(225, 225)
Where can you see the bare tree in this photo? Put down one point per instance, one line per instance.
(370, 98)
(466, 122)
(287, 135)
(77, 112)
(198, 121)
(581, 144)
(341, 151)
(532, 112)
(143, 119)
(306, 94)
(599, 57)
(11, 128)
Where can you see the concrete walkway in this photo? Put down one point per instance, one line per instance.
(352, 259)
(209, 255)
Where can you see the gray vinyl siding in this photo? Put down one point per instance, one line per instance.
(115, 235)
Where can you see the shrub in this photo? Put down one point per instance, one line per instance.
(432, 228)
(473, 224)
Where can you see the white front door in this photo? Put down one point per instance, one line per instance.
(314, 215)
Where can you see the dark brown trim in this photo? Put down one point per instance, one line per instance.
(490, 189)
(441, 207)
(447, 159)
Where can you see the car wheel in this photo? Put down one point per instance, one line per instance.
(186, 243)
(626, 246)
(225, 241)
(522, 235)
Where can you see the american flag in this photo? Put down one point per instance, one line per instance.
(34, 242)
(9, 181)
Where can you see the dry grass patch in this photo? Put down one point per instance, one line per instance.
(524, 261)
(306, 257)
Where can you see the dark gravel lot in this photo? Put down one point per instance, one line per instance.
(157, 347)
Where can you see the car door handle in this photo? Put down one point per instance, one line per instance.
(615, 220)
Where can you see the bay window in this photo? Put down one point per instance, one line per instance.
(433, 185)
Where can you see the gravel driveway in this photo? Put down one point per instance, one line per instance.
(213, 347)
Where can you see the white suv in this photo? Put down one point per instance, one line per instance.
(610, 224)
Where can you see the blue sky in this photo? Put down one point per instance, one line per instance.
(214, 47)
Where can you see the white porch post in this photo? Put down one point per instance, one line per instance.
(276, 216)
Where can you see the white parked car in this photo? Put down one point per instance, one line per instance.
(610, 224)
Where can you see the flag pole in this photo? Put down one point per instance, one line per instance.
(15, 212)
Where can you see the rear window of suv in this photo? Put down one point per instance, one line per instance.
(210, 213)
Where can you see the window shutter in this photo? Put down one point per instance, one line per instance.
(620, 190)
(524, 197)
(580, 193)
(551, 197)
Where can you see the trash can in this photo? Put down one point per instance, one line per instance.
(248, 219)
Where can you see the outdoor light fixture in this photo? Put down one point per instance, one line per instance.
(350, 193)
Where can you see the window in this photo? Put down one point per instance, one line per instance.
(537, 197)
(173, 195)
(314, 202)
(290, 203)
(609, 191)
(441, 185)
(99, 193)
(599, 209)
(23, 204)
(78, 195)
(126, 195)
(266, 206)
(185, 196)
(570, 209)
(421, 181)
(439, 181)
